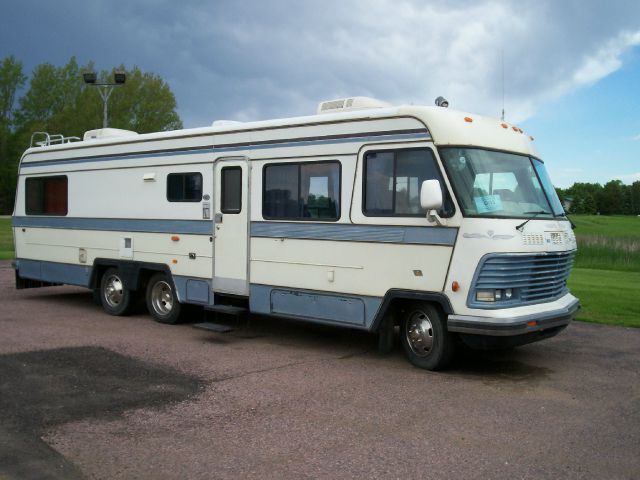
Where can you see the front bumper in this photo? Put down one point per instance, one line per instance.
(508, 327)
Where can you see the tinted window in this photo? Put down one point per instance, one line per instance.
(231, 194)
(46, 196)
(393, 180)
(302, 191)
(184, 187)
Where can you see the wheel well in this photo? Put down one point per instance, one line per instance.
(135, 274)
(396, 302)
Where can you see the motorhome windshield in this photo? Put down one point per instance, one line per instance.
(497, 184)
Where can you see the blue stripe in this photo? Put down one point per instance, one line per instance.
(356, 233)
(196, 227)
(228, 149)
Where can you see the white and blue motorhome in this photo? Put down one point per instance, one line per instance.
(364, 216)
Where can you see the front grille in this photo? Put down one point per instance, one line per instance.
(533, 278)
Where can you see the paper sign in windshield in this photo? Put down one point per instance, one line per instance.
(488, 203)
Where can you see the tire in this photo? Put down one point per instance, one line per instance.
(115, 297)
(162, 301)
(425, 338)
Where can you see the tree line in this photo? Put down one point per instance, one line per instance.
(614, 198)
(56, 100)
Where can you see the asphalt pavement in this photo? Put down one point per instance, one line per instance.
(87, 395)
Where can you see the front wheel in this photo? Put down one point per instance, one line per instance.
(162, 301)
(425, 338)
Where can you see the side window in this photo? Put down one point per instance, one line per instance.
(302, 191)
(392, 182)
(184, 187)
(231, 191)
(46, 195)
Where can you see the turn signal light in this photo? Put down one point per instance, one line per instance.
(532, 323)
(175, 238)
(504, 125)
(468, 119)
(455, 286)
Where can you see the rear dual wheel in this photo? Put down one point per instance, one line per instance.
(115, 297)
(162, 301)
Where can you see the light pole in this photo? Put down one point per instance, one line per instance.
(105, 89)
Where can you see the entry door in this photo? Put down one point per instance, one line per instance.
(231, 226)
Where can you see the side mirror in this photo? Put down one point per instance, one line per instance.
(431, 195)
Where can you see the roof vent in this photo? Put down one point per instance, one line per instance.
(350, 104)
(101, 133)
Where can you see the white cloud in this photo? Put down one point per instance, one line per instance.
(628, 178)
(283, 59)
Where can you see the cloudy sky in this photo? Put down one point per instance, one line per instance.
(571, 68)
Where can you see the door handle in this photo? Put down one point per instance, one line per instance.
(217, 218)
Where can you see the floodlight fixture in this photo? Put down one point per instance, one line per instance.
(105, 89)
(89, 77)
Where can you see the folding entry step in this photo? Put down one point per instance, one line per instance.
(227, 310)
(213, 327)
(231, 310)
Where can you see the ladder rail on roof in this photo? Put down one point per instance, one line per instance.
(44, 139)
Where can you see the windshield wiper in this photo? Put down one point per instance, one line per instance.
(535, 214)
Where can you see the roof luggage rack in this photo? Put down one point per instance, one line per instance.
(43, 139)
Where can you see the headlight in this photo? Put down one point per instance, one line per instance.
(494, 295)
(486, 295)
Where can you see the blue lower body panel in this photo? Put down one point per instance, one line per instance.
(320, 307)
(54, 272)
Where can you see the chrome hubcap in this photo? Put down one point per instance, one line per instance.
(420, 334)
(162, 298)
(113, 291)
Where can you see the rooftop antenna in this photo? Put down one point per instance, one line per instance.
(502, 58)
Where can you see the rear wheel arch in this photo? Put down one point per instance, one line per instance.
(135, 274)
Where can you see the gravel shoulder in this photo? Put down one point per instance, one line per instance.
(87, 395)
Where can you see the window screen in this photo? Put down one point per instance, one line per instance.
(302, 191)
(184, 187)
(231, 194)
(393, 179)
(46, 196)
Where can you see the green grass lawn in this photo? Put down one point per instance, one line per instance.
(607, 296)
(606, 270)
(6, 239)
(612, 226)
(608, 243)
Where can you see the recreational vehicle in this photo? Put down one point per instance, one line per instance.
(365, 215)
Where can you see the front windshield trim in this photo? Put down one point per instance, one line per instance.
(544, 189)
(454, 186)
